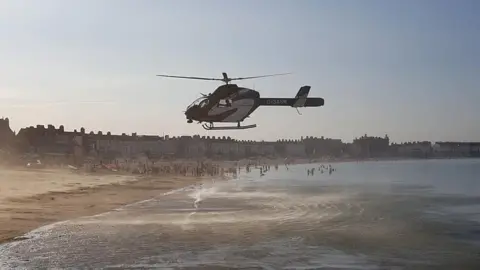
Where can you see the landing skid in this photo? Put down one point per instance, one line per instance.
(210, 126)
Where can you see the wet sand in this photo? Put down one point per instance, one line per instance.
(31, 199)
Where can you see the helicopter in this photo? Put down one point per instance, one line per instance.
(230, 103)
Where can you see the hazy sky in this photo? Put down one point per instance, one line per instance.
(410, 69)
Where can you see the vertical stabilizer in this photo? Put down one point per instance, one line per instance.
(301, 96)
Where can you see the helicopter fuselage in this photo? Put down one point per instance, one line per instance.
(228, 103)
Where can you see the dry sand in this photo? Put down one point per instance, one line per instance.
(31, 199)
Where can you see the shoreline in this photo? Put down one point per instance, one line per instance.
(20, 215)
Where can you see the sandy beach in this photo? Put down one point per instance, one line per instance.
(31, 199)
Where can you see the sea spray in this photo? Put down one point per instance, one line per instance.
(201, 193)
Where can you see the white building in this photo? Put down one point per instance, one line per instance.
(475, 147)
(131, 146)
(196, 148)
(420, 149)
(295, 149)
(451, 148)
(224, 148)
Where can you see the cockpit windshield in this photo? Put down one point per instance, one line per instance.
(204, 103)
(201, 101)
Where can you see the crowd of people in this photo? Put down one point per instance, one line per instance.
(322, 169)
(148, 167)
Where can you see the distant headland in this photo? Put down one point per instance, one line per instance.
(80, 144)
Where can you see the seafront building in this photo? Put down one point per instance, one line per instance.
(56, 141)
(52, 141)
(457, 149)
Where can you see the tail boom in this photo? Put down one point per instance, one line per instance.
(314, 102)
(291, 102)
(301, 100)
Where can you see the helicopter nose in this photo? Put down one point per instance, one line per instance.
(189, 113)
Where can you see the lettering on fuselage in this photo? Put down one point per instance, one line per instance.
(277, 102)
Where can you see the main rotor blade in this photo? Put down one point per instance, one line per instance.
(254, 77)
(193, 78)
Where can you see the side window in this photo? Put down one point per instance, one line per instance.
(225, 103)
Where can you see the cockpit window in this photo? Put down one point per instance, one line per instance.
(198, 102)
(203, 103)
